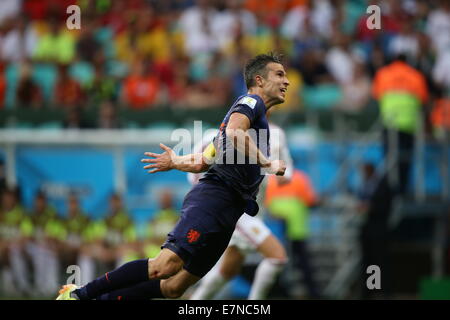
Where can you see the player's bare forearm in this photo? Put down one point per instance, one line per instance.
(190, 163)
(244, 144)
(242, 141)
(237, 132)
(168, 160)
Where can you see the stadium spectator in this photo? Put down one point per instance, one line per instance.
(120, 239)
(42, 9)
(103, 87)
(406, 42)
(2, 85)
(2, 176)
(290, 202)
(341, 59)
(440, 115)
(314, 72)
(9, 9)
(165, 219)
(48, 236)
(57, 45)
(234, 18)
(179, 86)
(107, 116)
(16, 229)
(197, 25)
(271, 11)
(140, 88)
(74, 119)
(116, 17)
(28, 94)
(76, 222)
(401, 92)
(441, 70)
(136, 40)
(214, 90)
(356, 92)
(375, 204)
(296, 22)
(438, 27)
(19, 43)
(87, 46)
(68, 93)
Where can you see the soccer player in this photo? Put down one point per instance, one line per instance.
(214, 205)
(251, 234)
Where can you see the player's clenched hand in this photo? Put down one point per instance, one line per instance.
(277, 167)
(161, 161)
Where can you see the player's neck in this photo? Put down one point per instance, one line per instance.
(268, 102)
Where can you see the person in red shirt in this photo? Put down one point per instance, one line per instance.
(68, 92)
(140, 88)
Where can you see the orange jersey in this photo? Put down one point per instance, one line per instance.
(440, 116)
(400, 77)
(299, 187)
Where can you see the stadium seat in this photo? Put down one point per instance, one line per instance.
(82, 71)
(12, 74)
(45, 75)
(323, 96)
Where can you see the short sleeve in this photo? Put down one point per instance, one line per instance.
(249, 106)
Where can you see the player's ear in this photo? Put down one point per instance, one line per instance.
(259, 80)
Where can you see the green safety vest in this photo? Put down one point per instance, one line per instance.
(120, 228)
(96, 230)
(77, 225)
(400, 111)
(296, 215)
(54, 228)
(16, 223)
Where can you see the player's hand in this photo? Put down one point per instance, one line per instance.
(277, 167)
(161, 162)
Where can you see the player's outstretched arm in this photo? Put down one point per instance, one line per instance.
(168, 160)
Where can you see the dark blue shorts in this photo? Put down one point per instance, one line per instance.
(208, 218)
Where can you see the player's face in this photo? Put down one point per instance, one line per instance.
(276, 82)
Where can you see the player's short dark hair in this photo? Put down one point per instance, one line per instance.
(257, 65)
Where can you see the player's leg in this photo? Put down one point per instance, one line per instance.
(275, 259)
(175, 286)
(166, 264)
(170, 288)
(227, 268)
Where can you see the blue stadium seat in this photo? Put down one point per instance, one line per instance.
(82, 71)
(12, 74)
(45, 76)
(323, 96)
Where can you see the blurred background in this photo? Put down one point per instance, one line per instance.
(367, 119)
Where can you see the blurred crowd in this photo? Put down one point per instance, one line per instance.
(37, 246)
(190, 53)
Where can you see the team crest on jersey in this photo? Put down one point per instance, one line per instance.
(193, 235)
(249, 101)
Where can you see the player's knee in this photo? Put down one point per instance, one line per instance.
(163, 269)
(279, 255)
(230, 271)
(172, 290)
(278, 263)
